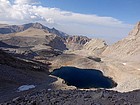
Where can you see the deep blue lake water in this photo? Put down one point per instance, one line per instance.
(84, 78)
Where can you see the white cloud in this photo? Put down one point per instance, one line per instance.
(24, 2)
(25, 11)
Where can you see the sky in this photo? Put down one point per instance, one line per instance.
(111, 20)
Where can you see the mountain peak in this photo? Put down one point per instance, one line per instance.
(135, 32)
(19, 28)
(138, 25)
(34, 25)
(53, 28)
(37, 24)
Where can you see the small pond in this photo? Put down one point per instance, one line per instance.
(84, 78)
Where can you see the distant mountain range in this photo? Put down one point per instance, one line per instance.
(35, 36)
(7, 29)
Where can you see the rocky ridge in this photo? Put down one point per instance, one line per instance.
(7, 29)
(93, 47)
(76, 42)
(127, 49)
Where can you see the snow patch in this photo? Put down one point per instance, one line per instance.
(49, 89)
(124, 63)
(25, 87)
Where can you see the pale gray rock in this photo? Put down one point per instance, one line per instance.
(127, 49)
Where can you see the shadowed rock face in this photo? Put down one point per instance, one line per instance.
(15, 72)
(77, 39)
(9, 60)
(4, 45)
(96, 59)
(56, 42)
(6, 30)
(76, 42)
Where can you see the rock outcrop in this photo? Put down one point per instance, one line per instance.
(95, 46)
(55, 42)
(76, 42)
(127, 49)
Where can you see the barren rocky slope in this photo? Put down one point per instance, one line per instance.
(78, 97)
(32, 37)
(128, 49)
(94, 47)
(29, 39)
(16, 72)
(7, 29)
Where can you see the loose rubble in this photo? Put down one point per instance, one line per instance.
(78, 97)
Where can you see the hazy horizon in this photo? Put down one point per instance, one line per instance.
(109, 20)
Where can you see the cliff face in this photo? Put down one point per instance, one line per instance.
(55, 42)
(128, 48)
(76, 42)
